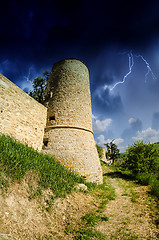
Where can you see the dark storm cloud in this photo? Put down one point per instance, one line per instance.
(95, 24)
(34, 32)
(57, 29)
(155, 121)
(104, 102)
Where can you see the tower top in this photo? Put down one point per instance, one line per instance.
(71, 60)
(67, 95)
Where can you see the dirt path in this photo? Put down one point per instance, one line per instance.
(130, 214)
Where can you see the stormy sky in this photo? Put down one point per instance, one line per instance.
(118, 41)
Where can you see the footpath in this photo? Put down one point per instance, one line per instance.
(118, 209)
(133, 213)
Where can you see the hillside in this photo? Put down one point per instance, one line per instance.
(31, 208)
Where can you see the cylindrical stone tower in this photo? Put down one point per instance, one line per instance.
(68, 133)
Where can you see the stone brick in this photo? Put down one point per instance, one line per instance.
(21, 114)
(70, 136)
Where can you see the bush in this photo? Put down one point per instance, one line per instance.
(142, 162)
(120, 162)
(142, 158)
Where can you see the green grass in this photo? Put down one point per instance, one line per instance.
(151, 179)
(88, 234)
(87, 229)
(17, 159)
(107, 194)
(92, 218)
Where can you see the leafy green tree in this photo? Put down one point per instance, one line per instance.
(142, 158)
(112, 150)
(39, 84)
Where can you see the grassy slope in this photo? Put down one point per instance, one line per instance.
(17, 159)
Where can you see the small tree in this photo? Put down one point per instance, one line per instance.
(39, 84)
(112, 150)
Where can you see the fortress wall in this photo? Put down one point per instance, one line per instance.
(21, 116)
(67, 95)
(76, 150)
(68, 132)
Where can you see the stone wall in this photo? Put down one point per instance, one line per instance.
(76, 150)
(20, 115)
(67, 95)
(68, 133)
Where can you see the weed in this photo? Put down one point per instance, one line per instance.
(125, 194)
(34, 192)
(102, 163)
(4, 182)
(86, 230)
(125, 234)
(88, 234)
(134, 196)
(92, 218)
(128, 190)
(70, 228)
(50, 203)
(106, 193)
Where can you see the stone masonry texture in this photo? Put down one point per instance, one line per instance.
(20, 115)
(68, 133)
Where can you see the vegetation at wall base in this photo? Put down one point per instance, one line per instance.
(16, 160)
(141, 162)
(100, 151)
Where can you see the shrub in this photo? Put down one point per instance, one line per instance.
(120, 162)
(142, 157)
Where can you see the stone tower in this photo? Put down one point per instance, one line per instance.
(68, 133)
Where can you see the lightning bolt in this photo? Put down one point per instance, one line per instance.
(131, 64)
(149, 70)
